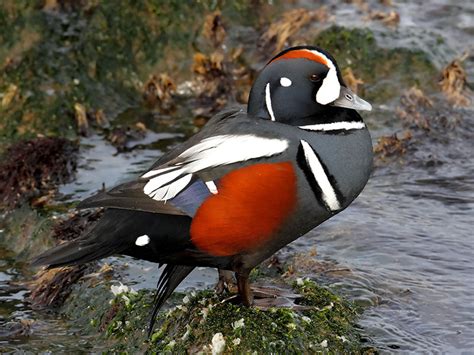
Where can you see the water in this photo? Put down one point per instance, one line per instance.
(411, 257)
(407, 239)
(100, 166)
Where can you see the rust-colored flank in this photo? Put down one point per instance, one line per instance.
(251, 204)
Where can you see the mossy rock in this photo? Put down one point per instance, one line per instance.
(26, 233)
(96, 53)
(385, 71)
(195, 319)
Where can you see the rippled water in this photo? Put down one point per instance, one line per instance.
(408, 239)
(412, 258)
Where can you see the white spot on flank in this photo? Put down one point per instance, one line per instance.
(268, 102)
(328, 194)
(142, 240)
(285, 82)
(334, 126)
(212, 187)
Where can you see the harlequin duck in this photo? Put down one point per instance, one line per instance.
(243, 187)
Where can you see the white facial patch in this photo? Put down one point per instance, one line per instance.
(330, 88)
(142, 240)
(285, 82)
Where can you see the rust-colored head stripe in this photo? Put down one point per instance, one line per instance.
(302, 54)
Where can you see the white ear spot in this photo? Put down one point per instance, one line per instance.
(285, 82)
(142, 240)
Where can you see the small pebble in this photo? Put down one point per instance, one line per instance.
(238, 324)
(218, 344)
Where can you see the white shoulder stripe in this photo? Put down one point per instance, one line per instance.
(268, 102)
(328, 194)
(166, 182)
(212, 187)
(335, 126)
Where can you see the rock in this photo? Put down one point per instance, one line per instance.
(205, 322)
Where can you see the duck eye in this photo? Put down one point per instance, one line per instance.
(315, 78)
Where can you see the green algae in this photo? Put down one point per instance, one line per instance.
(94, 53)
(251, 329)
(193, 320)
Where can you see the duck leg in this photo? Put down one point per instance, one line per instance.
(264, 297)
(243, 286)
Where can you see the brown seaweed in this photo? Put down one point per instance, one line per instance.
(280, 32)
(33, 168)
(453, 83)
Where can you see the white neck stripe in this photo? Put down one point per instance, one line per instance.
(334, 126)
(268, 102)
(328, 194)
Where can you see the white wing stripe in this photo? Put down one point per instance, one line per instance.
(328, 193)
(233, 149)
(156, 172)
(161, 180)
(209, 153)
(166, 192)
(334, 126)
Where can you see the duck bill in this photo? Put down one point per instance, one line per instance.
(348, 99)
